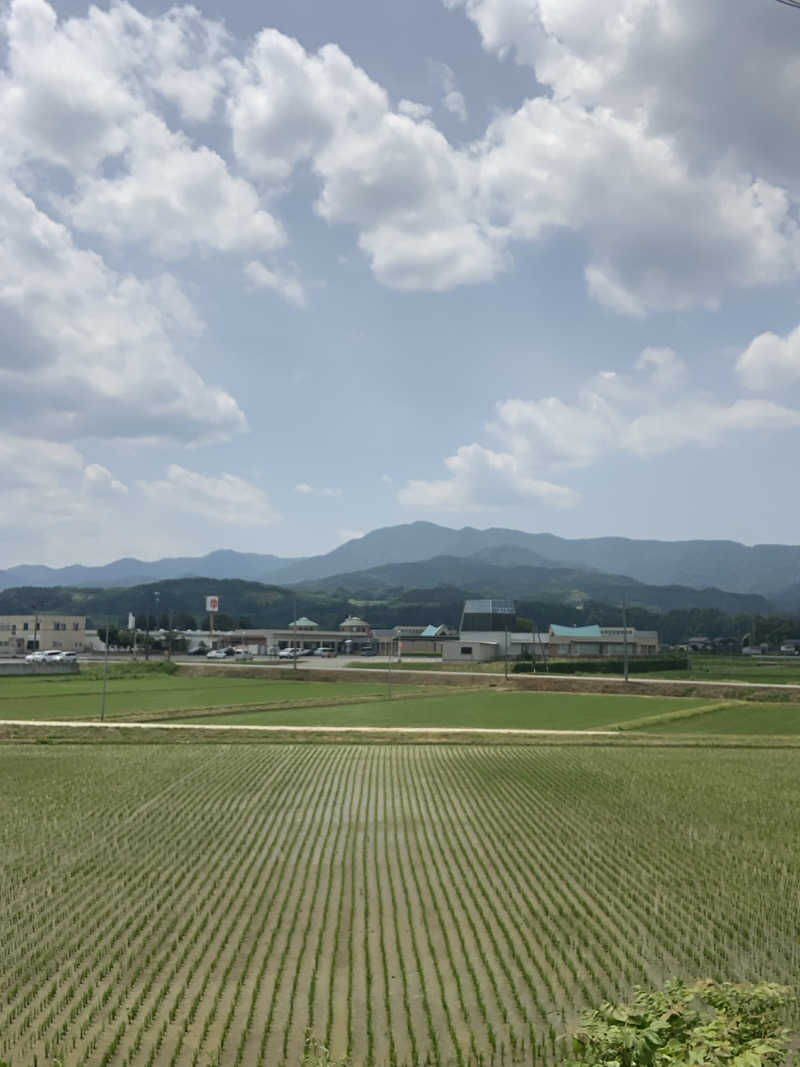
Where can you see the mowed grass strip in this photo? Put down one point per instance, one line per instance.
(480, 710)
(744, 717)
(69, 698)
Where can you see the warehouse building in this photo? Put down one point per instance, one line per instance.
(20, 634)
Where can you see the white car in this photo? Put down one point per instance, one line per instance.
(290, 653)
(242, 654)
(66, 657)
(49, 655)
(217, 653)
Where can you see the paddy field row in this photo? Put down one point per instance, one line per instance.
(180, 905)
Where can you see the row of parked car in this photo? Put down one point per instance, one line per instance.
(51, 655)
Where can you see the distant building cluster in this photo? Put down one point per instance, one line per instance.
(488, 630)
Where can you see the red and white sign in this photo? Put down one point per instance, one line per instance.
(212, 603)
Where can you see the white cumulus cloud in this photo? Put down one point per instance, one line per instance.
(225, 498)
(650, 410)
(102, 345)
(770, 361)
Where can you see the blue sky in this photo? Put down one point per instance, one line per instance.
(274, 275)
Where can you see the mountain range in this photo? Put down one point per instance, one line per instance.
(771, 571)
(519, 580)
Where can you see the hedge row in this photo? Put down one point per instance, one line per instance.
(636, 665)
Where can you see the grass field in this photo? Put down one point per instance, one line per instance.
(340, 703)
(482, 709)
(735, 718)
(74, 697)
(178, 905)
(703, 669)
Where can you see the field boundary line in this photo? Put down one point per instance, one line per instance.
(206, 711)
(676, 715)
(32, 732)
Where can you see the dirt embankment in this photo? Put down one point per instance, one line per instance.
(49, 733)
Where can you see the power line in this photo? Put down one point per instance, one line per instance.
(790, 3)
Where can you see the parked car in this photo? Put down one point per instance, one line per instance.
(791, 647)
(323, 650)
(201, 650)
(368, 650)
(217, 653)
(242, 654)
(66, 657)
(289, 653)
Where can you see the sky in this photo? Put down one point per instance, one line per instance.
(274, 275)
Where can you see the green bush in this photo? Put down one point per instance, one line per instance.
(708, 1023)
(636, 665)
(133, 669)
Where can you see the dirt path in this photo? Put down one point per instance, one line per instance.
(407, 731)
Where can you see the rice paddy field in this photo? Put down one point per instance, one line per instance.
(76, 697)
(211, 904)
(472, 710)
(191, 905)
(229, 700)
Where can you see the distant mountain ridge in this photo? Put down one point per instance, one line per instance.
(520, 580)
(223, 563)
(772, 571)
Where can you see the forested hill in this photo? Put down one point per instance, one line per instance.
(559, 584)
(256, 604)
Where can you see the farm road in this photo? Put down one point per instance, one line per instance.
(344, 730)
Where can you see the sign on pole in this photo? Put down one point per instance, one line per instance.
(212, 606)
(131, 621)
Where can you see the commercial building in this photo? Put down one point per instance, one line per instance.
(564, 641)
(489, 631)
(20, 634)
(412, 640)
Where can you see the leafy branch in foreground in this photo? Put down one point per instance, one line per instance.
(707, 1023)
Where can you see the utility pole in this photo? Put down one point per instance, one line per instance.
(389, 678)
(625, 635)
(169, 646)
(296, 646)
(105, 678)
(505, 657)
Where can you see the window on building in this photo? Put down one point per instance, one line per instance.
(24, 626)
(76, 626)
(466, 650)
